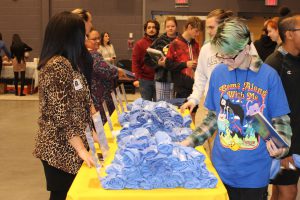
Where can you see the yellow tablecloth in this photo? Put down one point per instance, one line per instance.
(86, 185)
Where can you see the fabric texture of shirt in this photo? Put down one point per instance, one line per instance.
(104, 80)
(239, 154)
(107, 52)
(64, 104)
(141, 69)
(288, 68)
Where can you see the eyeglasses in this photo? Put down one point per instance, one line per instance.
(228, 58)
(295, 29)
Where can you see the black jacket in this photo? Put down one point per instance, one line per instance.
(161, 73)
(288, 68)
(264, 46)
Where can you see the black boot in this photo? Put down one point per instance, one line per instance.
(16, 81)
(22, 83)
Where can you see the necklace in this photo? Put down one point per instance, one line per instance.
(240, 95)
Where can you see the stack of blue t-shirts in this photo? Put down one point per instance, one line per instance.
(162, 164)
(147, 156)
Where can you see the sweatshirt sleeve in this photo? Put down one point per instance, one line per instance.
(206, 129)
(137, 61)
(200, 79)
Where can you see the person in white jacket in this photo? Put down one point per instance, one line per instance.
(207, 59)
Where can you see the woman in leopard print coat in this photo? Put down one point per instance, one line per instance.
(64, 102)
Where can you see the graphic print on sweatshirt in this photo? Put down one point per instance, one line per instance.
(237, 104)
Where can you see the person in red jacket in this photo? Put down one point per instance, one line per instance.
(182, 59)
(145, 74)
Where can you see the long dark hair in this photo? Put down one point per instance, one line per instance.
(102, 39)
(65, 36)
(17, 47)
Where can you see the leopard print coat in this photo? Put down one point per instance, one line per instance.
(64, 110)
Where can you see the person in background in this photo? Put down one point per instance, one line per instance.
(272, 28)
(286, 61)
(86, 17)
(264, 45)
(144, 74)
(182, 58)
(284, 11)
(241, 157)
(107, 49)
(104, 78)
(5, 50)
(164, 85)
(65, 102)
(18, 49)
(207, 59)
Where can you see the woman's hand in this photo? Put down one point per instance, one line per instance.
(86, 157)
(273, 150)
(77, 144)
(121, 73)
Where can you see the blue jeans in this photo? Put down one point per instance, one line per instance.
(147, 89)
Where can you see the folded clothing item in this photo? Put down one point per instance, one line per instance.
(113, 182)
(163, 141)
(147, 156)
(177, 102)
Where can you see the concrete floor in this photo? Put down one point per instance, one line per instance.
(21, 174)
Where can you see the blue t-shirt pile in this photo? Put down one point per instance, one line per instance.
(147, 155)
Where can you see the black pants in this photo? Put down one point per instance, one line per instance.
(17, 81)
(58, 181)
(247, 193)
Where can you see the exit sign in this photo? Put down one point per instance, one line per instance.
(181, 3)
(271, 2)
